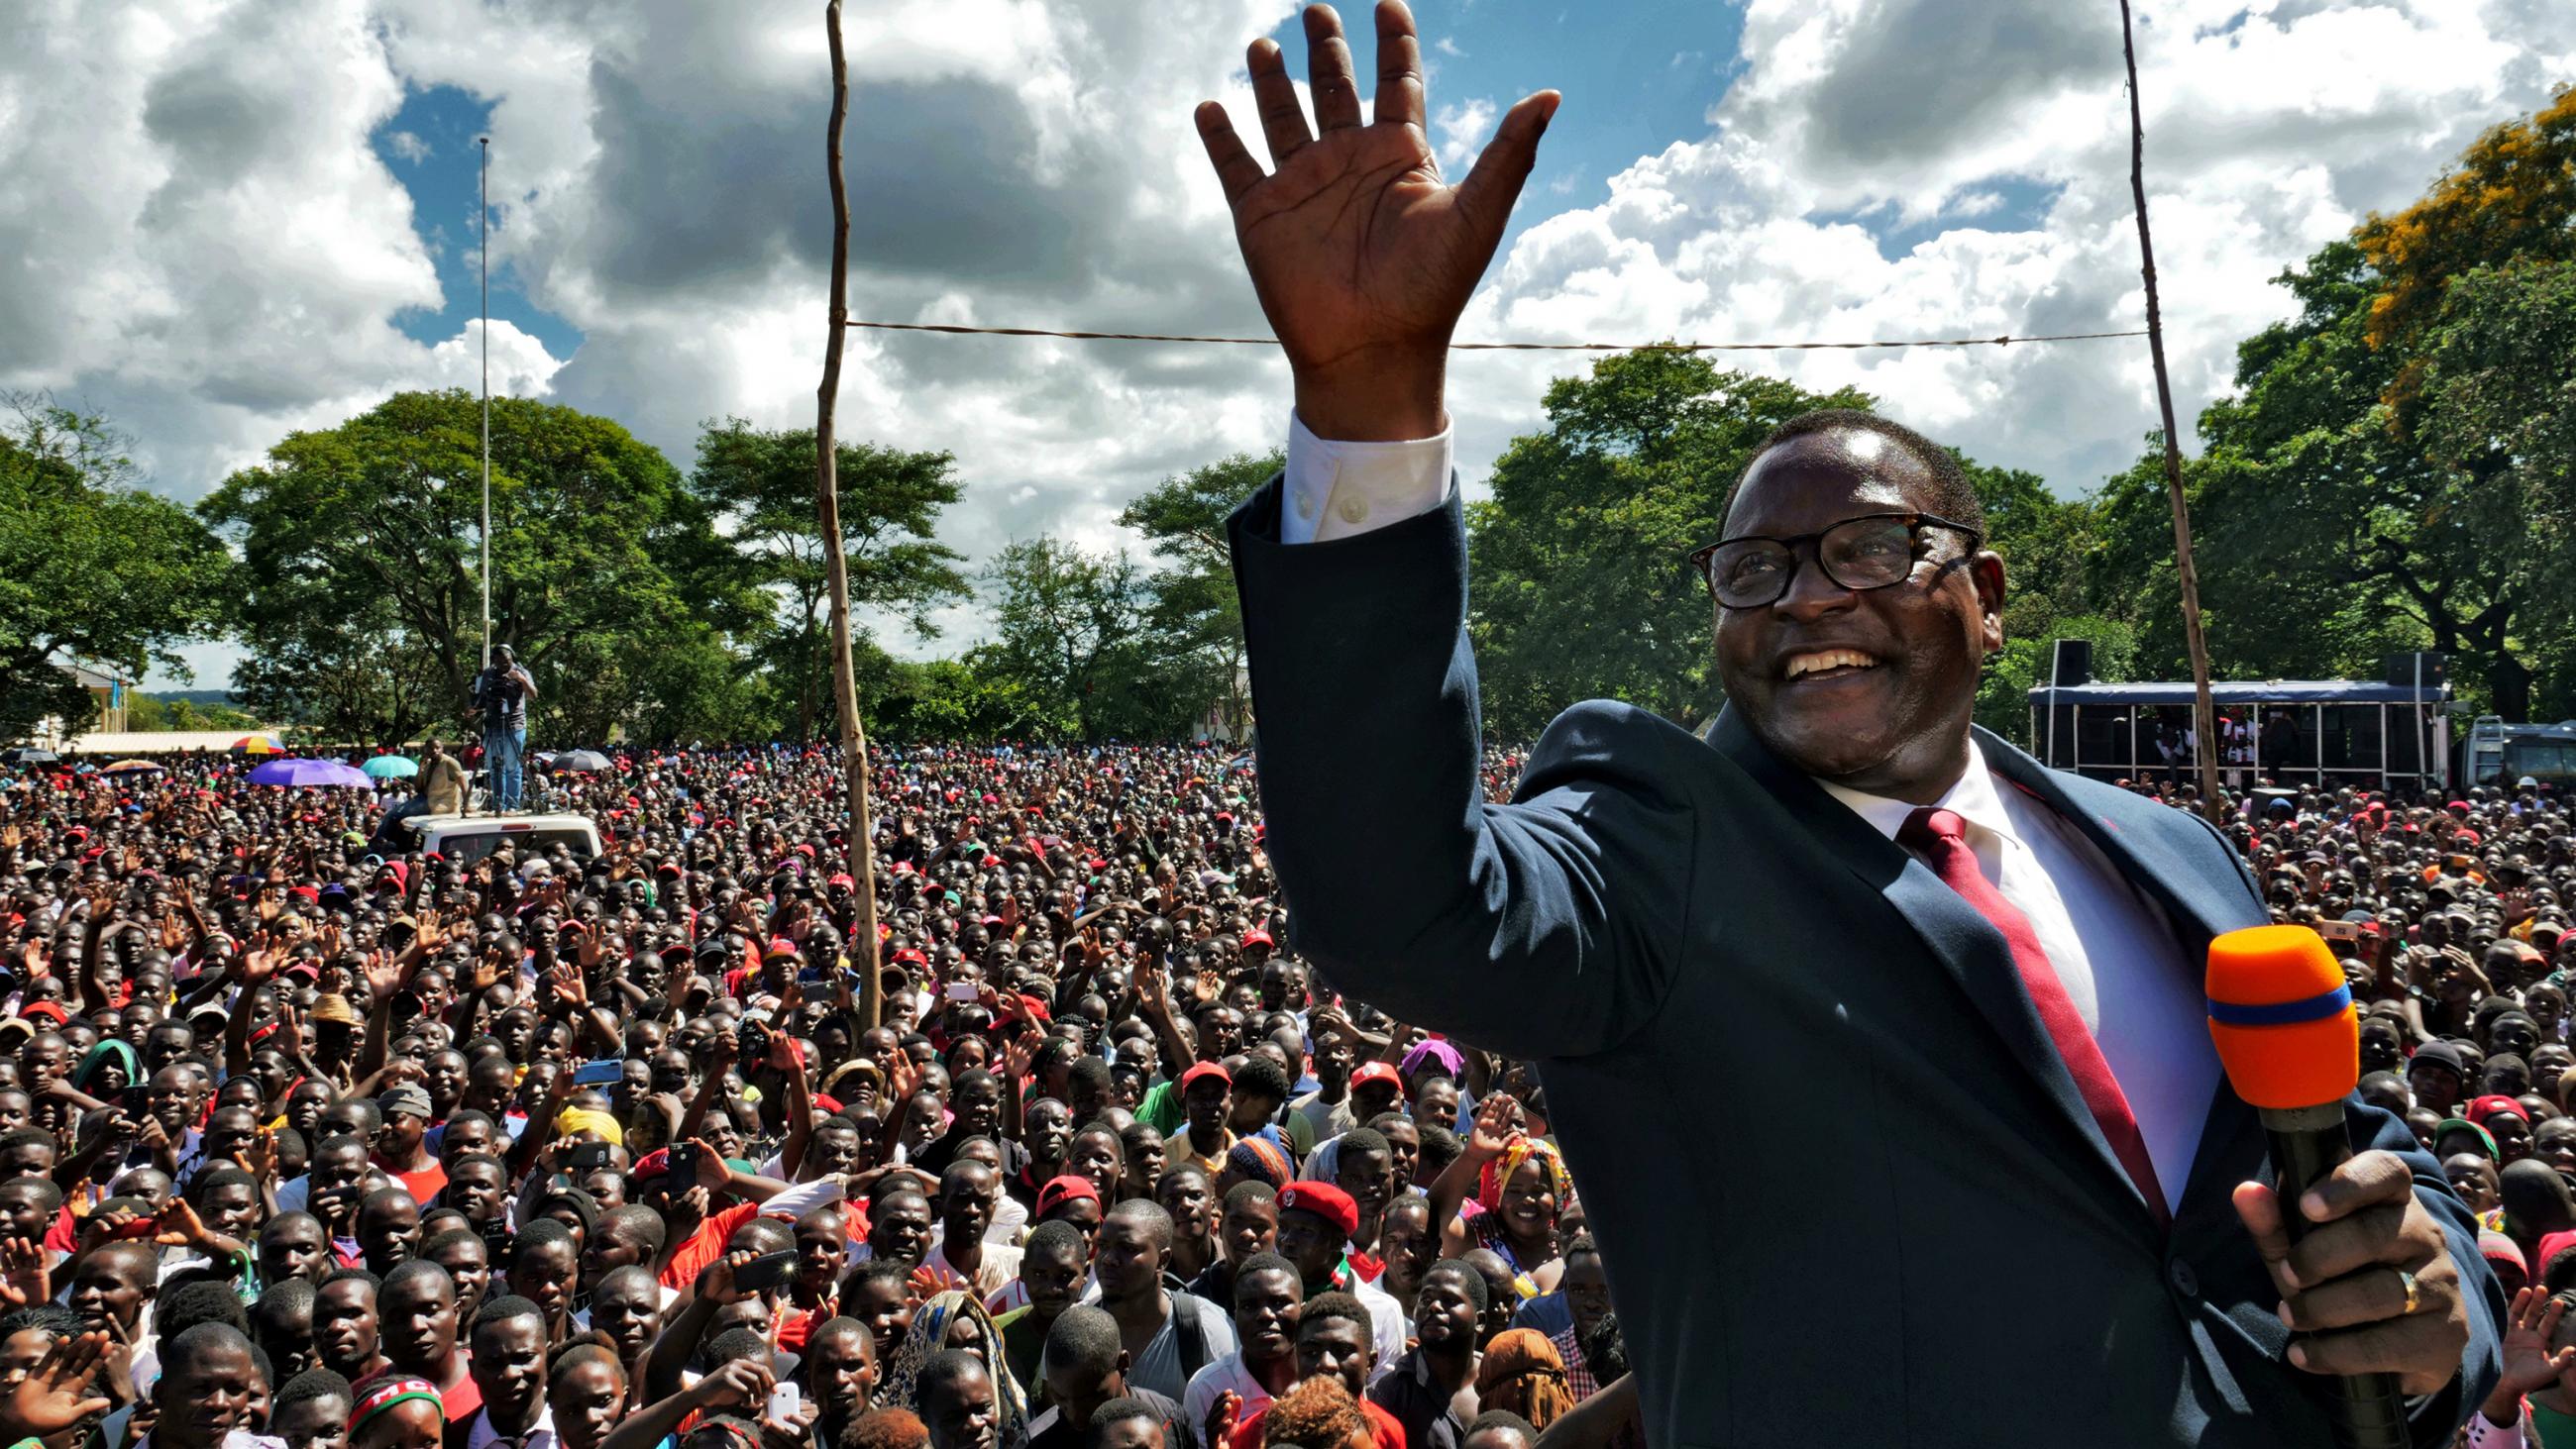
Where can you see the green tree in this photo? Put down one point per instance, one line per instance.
(1072, 632)
(145, 712)
(890, 501)
(92, 568)
(2499, 427)
(974, 700)
(601, 559)
(1578, 587)
(1197, 612)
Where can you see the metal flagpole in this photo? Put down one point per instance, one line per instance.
(483, 231)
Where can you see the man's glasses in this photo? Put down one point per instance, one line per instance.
(1873, 551)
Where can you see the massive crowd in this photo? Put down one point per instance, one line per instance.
(310, 1139)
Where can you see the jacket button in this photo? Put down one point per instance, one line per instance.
(2184, 1280)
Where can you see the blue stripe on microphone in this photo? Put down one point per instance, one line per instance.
(2285, 1013)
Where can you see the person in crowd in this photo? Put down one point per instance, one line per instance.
(502, 692)
(368, 1059)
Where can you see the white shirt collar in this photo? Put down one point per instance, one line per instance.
(1976, 798)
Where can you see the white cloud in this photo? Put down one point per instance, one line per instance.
(1463, 128)
(408, 146)
(1448, 45)
(205, 242)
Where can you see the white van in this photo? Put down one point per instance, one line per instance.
(465, 839)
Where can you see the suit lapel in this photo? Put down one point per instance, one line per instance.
(1963, 941)
(2231, 1135)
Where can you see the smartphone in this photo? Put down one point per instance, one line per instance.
(589, 1156)
(684, 1161)
(810, 976)
(783, 1403)
(766, 1271)
(2339, 931)
(605, 1072)
(135, 1103)
(963, 991)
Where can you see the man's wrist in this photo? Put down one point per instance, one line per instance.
(1374, 398)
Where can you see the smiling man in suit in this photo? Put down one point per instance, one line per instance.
(2053, 1223)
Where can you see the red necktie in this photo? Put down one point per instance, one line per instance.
(1939, 836)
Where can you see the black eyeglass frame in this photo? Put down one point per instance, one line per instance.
(1915, 523)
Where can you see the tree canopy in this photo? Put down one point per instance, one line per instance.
(361, 555)
(93, 568)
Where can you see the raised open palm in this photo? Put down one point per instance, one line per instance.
(1362, 255)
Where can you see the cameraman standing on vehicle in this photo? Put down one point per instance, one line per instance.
(502, 692)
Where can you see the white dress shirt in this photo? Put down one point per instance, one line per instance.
(2111, 947)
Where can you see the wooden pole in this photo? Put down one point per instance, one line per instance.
(864, 952)
(2203, 712)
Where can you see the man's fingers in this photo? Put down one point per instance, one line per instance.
(1399, 67)
(2260, 1210)
(1489, 191)
(2369, 1237)
(2364, 1297)
(1329, 72)
(2399, 1346)
(2371, 1178)
(1274, 97)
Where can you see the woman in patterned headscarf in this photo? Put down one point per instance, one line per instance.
(955, 1319)
(1521, 1188)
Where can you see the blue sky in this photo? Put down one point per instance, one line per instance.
(430, 146)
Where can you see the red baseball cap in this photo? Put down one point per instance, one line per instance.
(1202, 1070)
(1376, 1072)
(1065, 1189)
(1323, 1200)
(1256, 938)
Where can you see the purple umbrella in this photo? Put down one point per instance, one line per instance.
(310, 774)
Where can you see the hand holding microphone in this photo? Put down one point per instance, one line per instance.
(2365, 1273)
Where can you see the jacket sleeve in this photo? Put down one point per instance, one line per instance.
(2438, 1417)
(1548, 927)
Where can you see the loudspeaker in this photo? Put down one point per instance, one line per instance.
(2399, 669)
(2070, 662)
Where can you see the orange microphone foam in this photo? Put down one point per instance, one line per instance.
(2282, 1017)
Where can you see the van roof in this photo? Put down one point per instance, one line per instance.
(498, 824)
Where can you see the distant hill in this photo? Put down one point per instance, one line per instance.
(196, 696)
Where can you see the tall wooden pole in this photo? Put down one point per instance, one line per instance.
(2204, 713)
(864, 952)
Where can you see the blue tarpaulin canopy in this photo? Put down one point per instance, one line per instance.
(2243, 692)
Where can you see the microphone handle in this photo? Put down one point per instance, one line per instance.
(2308, 1144)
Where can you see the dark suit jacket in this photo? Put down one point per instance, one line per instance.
(1937, 1247)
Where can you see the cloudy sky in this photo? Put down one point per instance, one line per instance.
(226, 219)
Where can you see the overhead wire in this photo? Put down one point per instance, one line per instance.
(2006, 340)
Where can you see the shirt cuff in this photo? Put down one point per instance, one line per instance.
(1335, 490)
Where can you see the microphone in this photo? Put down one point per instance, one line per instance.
(2290, 1041)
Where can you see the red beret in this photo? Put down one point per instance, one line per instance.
(1323, 1200)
